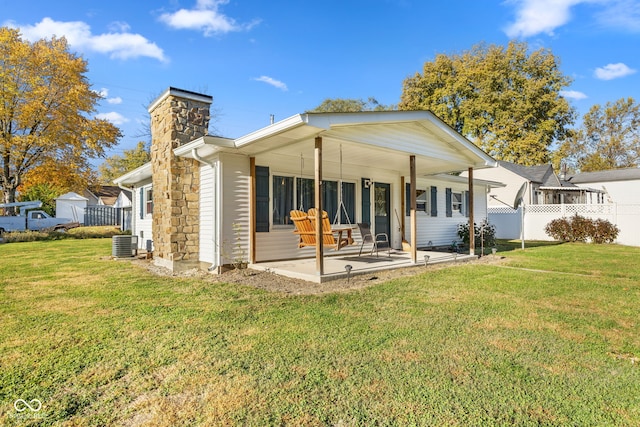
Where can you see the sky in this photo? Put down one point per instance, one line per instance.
(258, 58)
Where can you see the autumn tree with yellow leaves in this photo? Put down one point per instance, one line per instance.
(46, 108)
(505, 99)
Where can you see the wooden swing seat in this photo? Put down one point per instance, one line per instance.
(306, 230)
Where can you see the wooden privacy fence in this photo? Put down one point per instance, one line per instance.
(507, 220)
(107, 215)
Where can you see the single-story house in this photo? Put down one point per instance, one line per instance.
(209, 201)
(108, 195)
(542, 186)
(619, 185)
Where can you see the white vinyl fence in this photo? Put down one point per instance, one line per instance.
(536, 217)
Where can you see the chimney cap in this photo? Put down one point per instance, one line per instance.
(180, 93)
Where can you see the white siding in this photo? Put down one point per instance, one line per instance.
(141, 227)
(506, 194)
(442, 230)
(207, 214)
(622, 192)
(235, 205)
(283, 244)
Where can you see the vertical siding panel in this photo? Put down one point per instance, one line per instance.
(207, 214)
(235, 205)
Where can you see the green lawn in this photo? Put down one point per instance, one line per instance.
(102, 342)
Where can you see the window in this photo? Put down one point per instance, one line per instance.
(305, 193)
(422, 200)
(282, 199)
(290, 193)
(148, 198)
(456, 202)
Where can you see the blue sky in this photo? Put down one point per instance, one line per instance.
(258, 58)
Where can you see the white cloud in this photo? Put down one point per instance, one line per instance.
(273, 82)
(544, 16)
(573, 94)
(115, 101)
(621, 14)
(113, 117)
(206, 17)
(540, 16)
(117, 44)
(613, 71)
(119, 27)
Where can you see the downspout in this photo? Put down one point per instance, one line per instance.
(194, 153)
(133, 217)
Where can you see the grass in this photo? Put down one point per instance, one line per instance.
(102, 342)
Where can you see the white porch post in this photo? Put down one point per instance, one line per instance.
(472, 237)
(318, 203)
(412, 218)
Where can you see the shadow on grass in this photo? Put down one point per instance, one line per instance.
(511, 245)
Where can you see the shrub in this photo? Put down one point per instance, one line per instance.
(604, 231)
(74, 233)
(581, 229)
(484, 231)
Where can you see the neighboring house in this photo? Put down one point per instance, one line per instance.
(109, 195)
(619, 185)
(208, 201)
(542, 186)
(609, 195)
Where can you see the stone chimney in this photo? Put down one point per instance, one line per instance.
(177, 118)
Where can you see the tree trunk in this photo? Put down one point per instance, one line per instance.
(9, 196)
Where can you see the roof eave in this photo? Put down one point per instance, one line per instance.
(137, 175)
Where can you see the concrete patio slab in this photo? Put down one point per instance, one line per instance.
(334, 266)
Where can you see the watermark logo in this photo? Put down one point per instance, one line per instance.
(27, 409)
(22, 405)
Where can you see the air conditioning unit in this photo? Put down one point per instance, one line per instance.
(124, 246)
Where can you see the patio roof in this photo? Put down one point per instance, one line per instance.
(588, 190)
(382, 139)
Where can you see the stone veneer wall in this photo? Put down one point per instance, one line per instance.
(177, 118)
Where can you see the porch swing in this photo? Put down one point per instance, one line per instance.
(305, 223)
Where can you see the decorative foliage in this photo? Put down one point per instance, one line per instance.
(581, 229)
(117, 165)
(484, 234)
(75, 233)
(343, 105)
(46, 103)
(46, 193)
(609, 138)
(504, 99)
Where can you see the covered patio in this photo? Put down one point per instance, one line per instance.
(378, 156)
(335, 267)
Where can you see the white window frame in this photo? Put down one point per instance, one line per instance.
(148, 201)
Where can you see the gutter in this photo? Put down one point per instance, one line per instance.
(133, 217)
(215, 265)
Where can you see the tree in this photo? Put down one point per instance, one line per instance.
(67, 177)
(116, 165)
(347, 105)
(504, 99)
(609, 138)
(44, 192)
(45, 107)
(50, 179)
